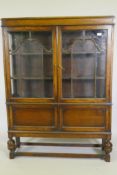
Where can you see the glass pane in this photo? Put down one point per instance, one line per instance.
(101, 63)
(66, 88)
(84, 63)
(100, 90)
(31, 63)
(83, 89)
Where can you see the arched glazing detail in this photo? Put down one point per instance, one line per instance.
(31, 64)
(83, 61)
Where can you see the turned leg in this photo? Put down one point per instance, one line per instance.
(18, 142)
(107, 149)
(11, 147)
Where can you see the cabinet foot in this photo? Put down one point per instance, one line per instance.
(11, 147)
(107, 149)
(107, 158)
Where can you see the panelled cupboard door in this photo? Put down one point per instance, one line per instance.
(84, 118)
(33, 117)
(85, 63)
(32, 59)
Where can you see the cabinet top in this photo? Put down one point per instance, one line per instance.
(37, 21)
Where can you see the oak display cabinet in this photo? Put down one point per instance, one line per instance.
(58, 81)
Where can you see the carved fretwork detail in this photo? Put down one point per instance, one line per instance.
(11, 147)
(107, 149)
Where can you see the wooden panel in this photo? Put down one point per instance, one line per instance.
(39, 117)
(82, 118)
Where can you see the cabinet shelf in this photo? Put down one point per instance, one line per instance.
(32, 78)
(83, 78)
(79, 53)
(30, 54)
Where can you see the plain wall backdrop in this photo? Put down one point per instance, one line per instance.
(42, 8)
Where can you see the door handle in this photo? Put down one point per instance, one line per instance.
(61, 67)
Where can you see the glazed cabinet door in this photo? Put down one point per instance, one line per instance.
(31, 56)
(84, 65)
